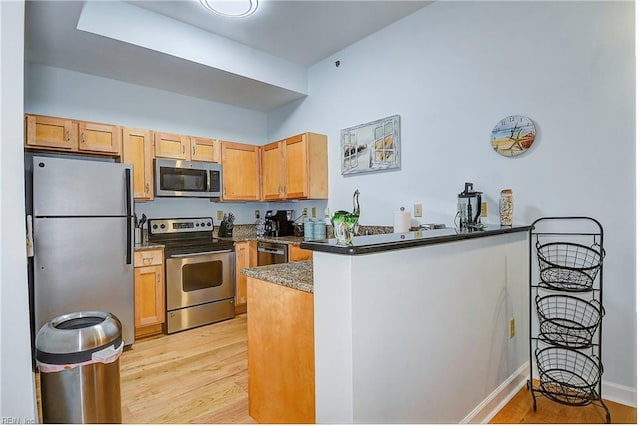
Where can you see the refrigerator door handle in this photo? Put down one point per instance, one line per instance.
(29, 235)
(127, 175)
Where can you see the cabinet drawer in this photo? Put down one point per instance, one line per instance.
(147, 257)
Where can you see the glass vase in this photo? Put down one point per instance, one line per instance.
(506, 207)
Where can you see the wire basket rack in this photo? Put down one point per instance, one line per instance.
(568, 321)
(568, 376)
(569, 266)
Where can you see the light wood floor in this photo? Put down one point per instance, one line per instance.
(195, 376)
(200, 376)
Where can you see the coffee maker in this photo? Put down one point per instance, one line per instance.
(469, 208)
(278, 223)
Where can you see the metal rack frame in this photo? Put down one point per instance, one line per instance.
(570, 354)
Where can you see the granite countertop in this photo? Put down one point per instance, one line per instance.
(386, 242)
(148, 246)
(296, 275)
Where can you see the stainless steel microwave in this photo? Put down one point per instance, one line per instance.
(181, 178)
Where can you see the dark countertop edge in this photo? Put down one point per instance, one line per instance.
(401, 244)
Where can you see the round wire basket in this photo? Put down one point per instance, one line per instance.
(569, 266)
(568, 321)
(568, 376)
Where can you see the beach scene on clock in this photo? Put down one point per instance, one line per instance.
(513, 135)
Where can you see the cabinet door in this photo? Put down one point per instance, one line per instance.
(97, 137)
(137, 151)
(203, 149)
(51, 132)
(149, 295)
(240, 171)
(296, 177)
(272, 171)
(246, 257)
(169, 145)
(297, 254)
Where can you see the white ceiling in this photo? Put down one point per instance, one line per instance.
(288, 35)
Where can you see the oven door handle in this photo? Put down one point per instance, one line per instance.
(174, 256)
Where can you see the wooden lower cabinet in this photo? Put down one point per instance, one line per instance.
(246, 257)
(297, 254)
(149, 300)
(281, 353)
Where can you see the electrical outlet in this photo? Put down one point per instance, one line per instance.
(257, 214)
(220, 214)
(304, 212)
(417, 210)
(313, 212)
(512, 328)
(483, 209)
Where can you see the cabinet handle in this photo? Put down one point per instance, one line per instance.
(68, 136)
(193, 150)
(82, 139)
(183, 149)
(146, 187)
(147, 260)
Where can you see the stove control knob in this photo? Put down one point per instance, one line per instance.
(155, 226)
(202, 223)
(208, 223)
(197, 224)
(163, 226)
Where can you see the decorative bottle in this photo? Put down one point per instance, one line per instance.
(506, 207)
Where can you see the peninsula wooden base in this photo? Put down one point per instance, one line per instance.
(281, 353)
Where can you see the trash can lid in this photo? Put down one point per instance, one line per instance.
(74, 337)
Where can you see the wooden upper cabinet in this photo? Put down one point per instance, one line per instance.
(240, 171)
(170, 145)
(97, 137)
(63, 134)
(137, 150)
(296, 168)
(272, 171)
(51, 132)
(204, 149)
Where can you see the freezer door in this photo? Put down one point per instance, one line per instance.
(80, 264)
(80, 187)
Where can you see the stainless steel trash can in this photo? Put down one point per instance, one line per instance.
(78, 358)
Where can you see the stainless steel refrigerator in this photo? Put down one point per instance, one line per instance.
(82, 239)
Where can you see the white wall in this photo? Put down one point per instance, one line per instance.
(17, 392)
(452, 70)
(63, 93)
(420, 335)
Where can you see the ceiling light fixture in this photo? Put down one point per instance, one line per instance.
(231, 8)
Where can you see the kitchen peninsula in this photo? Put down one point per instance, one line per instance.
(413, 327)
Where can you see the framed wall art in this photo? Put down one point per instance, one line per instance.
(371, 147)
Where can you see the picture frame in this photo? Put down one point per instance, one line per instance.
(371, 147)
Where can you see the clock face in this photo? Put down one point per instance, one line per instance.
(513, 135)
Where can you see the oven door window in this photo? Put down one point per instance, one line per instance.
(188, 180)
(198, 276)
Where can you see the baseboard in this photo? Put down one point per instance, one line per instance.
(619, 393)
(497, 399)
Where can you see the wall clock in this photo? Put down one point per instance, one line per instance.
(513, 135)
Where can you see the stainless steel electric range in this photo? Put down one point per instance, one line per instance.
(199, 272)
